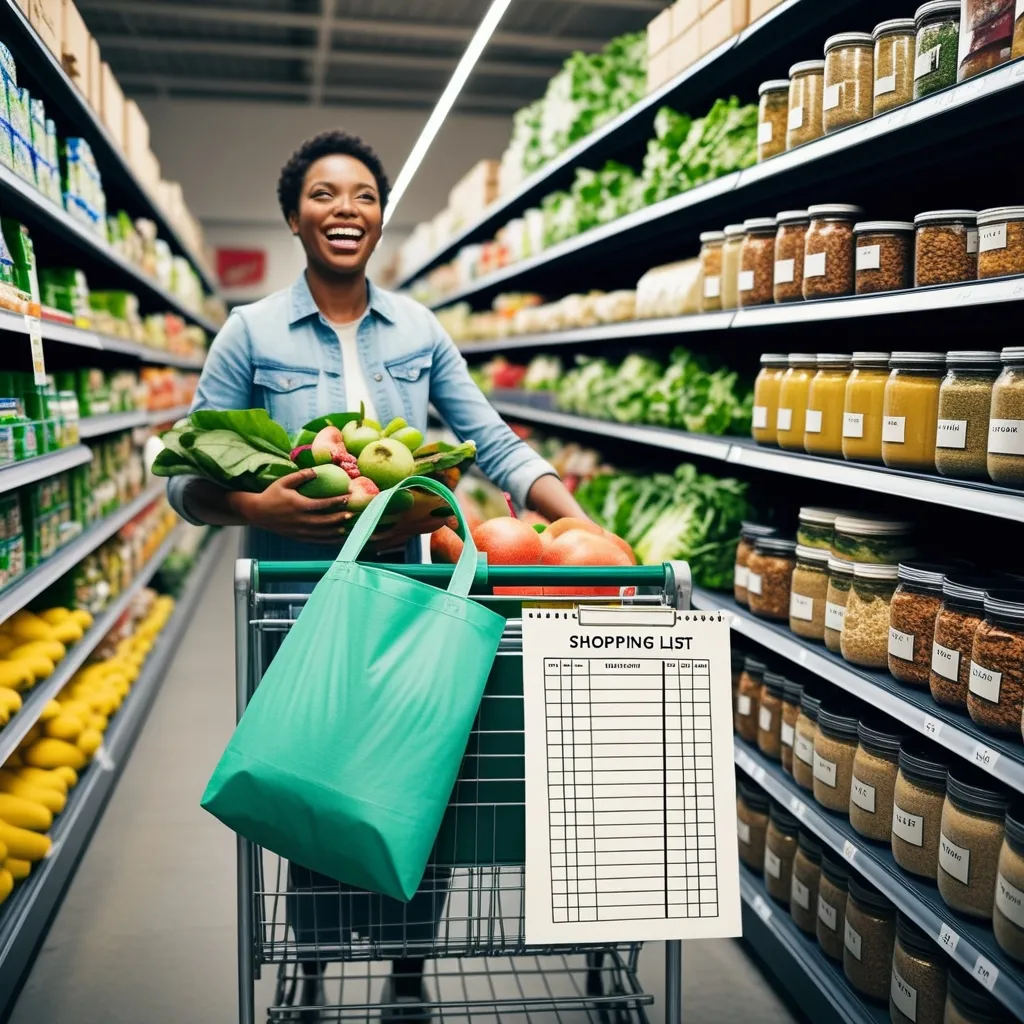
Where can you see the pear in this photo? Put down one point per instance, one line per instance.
(409, 436)
(395, 425)
(386, 462)
(330, 482)
(357, 436)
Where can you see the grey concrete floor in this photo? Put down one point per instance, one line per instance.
(146, 933)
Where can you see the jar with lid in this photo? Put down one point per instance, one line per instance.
(970, 838)
(917, 994)
(910, 410)
(757, 262)
(791, 694)
(986, 36)
(711, 243)
(869, 935)
(967, 1002)
(817, 526)
(832, 890)
(894, 64)
(1000, 242)
(885, 255)
(965, 403)
(1008, 912)
(794, 389)
(803, 742)
(779, 850)
(945, 247)
(936, 47)
(749, 532)
(789, 255)
(862, 406)
(769, 575)
(849, 80)
(958, 618)
(751, 823)
(873, 785)
(995, 692)
(835, 745)
(912, 615)
(731, 265)
(918, 798)
(865, 637)
(828, 251)
(1006, 424)
(772, 118)
(764, 427)
(748, 697)
(806, 86)
(803, 897)
(1018, 34)
(769, 715)
(823, 422)
(808, 590)
(840, 579)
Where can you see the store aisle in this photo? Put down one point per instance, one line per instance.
(146, 933)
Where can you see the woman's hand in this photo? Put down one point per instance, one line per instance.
(281, 509)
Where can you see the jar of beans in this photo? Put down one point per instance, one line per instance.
(875, 766)
(772, 118)
(803, 743)
(1000, 241)
(757, 262)
(791, 694)
(1006, 423)
(748, 699)
(734, 234)
(849, 80)
(995, 693)
(918, 797)
(769, 715)
(965, 405)
(894, 64)
(832, 889)
(840, 579)
(803, 897)
(751, 823)
(910, 410)
(912, 615)
(779, 850)
(958, 618)
(1008, 913)
(865, 637)
(711, 243)
(945, 247)
(789, 255)
(807, 593)
(862, 407)
(828, 251)
(749, 532)
(794, 389)
(769, 576)
(806, 85)
(917, 994)
(868, 939)
(885, 255)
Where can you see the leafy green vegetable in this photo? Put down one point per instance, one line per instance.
(255, 425)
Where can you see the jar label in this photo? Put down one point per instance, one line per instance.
(801, 607)
(712, 287)
(804, 749)
(1010, 901)
(951, 434)
(862, 795)
(740, 576)
(1006, 437)
(825, 771)
(754, 583)
(743, 705)
(784, 419)
(760, 417)
(972, 240)
(909, 827)
(787, 733)
(903, 995)
(901, 645)
(746, 281)
(883, 86)
(785, 271)
(851, 939)
(743, 831)
(927, 62)
(812, 422)
(834, 615)
(827, 914)
(945, 662)
(814, 264)
(869, 257)
(985, 682)
(992, 236)
(764, 133)
(853, 424)
(801, 894)
(796, 118)
(764, 719)
(830, 97)
(894, 429)
(772, 864)
(954, 860)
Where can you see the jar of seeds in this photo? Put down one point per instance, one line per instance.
(751, 823)
(864, 640)
(1006, 423)
(832, 891)
(791, 694)
(779, 850)
(769, 716)
(965, 402)
(1000, 241)
(772, 118)
(731, 265)
(803, 898)
(807, 593)
(764, 421)
(885, 255)
(748, 698)
(803, 743)
(789, 255)
(770, 572)
(917, 994)
(869, 937)
(967, 1002)
(828, 251)
(862, 406)
(711, 243)
(875, 766)
(840, 579)
(749, 532)
(912, 615)
(946, 247)
(1008, 913)
(995, 692)
(894, 63)
(806, 85)
(917, 808)
(757, 262)
(937, 45)
(849, 80)
(835, 746)
(958, 618)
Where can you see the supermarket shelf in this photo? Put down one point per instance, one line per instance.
(987, 499)
(915, 708)
(111, 423)
(814, 982)
(36, 698)
(19, 474)
(59, 91)
(157, 417)
(26, 916)
(969, 943)
(34, 582)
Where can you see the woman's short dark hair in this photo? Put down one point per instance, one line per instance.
(331, 143)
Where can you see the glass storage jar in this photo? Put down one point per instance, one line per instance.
(816, 526)
(958, 618)
(986, 36)
(748, 698)
(894, 64)
(769, 715)
(751, 823)
(912, 614)
(965, 403)
(917, 808)
(1006, 424)
(875, 766)
(789, 255)
(749, 532)
(945, 247)
(1018, 33)
(806, 85)
(772, 118)
(995, 692)
(757, 262)
(868, 939)
(808, 589)
(711, 243)
(1000, 242)
(769, 575)
(936, 47)
(880, 540)
(803, 897)
(862, 406)
(1008, 912)
(779, 850)
(865, 637)
(968, 1003)
(910, 411)
(970, 838)
(849, 80)
(828, 251)
(791, 694)
(884, 258)
(731, 265)
(803, 744)
(832, 889)
(764, 428)
(835, 745)
(917, 994)
(793, 391)
(823, 421)
(840, 579)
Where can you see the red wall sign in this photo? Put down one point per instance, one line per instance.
(241, 268)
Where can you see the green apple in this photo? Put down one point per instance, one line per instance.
(386, 462)
(357, 437)
(409, 436)
(330, 482)
(395, 425)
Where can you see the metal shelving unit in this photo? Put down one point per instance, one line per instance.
(20, 474)
(111, 423)
(156, 417)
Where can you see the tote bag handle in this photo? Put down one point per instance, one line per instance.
(465, 570)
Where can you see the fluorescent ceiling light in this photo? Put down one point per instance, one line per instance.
(444, 105)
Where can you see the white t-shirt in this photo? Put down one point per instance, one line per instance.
(356, 388)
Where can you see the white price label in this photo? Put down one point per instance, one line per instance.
(712, 287)
(853, 424)
(894, 429)
(985, 682)
(985, 757)
(812, 421)
(785, 271)
(986, 972)
(1006, 437)
(909, 827)
(743, 831)
(796, 119)
(784, 419)
(885, 85)
(954, 860)
(740, 575)
(948, 938)
(849, 851)
(825, 770)
(764, 133)
(972, 237)
(1010, 901)
(927, 62)
(798, 807)
(903, 995)
(35, 337)
(801, 607)
(827, 914)
(103, 759)
(901, 645)
(862, 795)
(834, 616)
(992, 236)
(869, 257)
(786, 733)
(754, 583)
(746, 281)
(814, 265)
(804, 749)
(830, 98)
(932, 727)
(764, 719)
(801, 894)
(762, 909)
(851, 939)
(760, 417)
(772, 864)
(951, 434)
(743, 705)
(945, 662)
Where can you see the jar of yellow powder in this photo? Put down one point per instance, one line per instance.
(910, 410)
(862, 406)
(766, 397)
(823, 423)
(793, 393)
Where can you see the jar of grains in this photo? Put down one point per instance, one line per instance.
(936, 47)
(791, 694)
(731, 265)
(910, 410)
(885, 255)
(958, 618)
(791, 419)
(832, 890)
(817, 527)
(865, 637)
(879, 540)
(849, 80)
(769, 575)
(751, 823)
(1008, 913)
(828, 251)
(862, 406)
(995, 692)
(748, 697)
(764, 427)
(1000, 241)
(970, 838)
(894, 64)
(769, 715)
(711, 243)
(868, 938)
(835, 745)
(967, 1002)
(945, 247)
(757, 262)
(840, 579)
(823, 422)
(749, 532)
(875, 766)
(779, 850)
(912, 614)
(917, 994)
(1006, 424)
(965, 402)
(803, 742)
(806, 85)
(772, 118)
(803, 897)
(807, 593)
(918, 797)
(789, 255)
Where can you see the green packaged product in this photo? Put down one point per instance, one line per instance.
(22, 252)
(938, 41)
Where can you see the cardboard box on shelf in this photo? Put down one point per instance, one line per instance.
(74, 46)
(724, 20)
(23, 4)
(147, 170)
(659, 32)
(94, 89)
(112, 105)
(136, 132)
(45, 15)
(685, 14)
(684, 51)
(171, 200)
(657, 70)
(761, 7)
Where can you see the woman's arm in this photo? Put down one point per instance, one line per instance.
(553, 500)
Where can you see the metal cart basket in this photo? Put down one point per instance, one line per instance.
(467, 920)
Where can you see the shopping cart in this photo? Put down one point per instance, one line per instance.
(467, 920)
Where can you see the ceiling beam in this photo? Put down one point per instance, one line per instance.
(324, 35)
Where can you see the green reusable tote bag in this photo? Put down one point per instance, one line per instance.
(346, 756)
